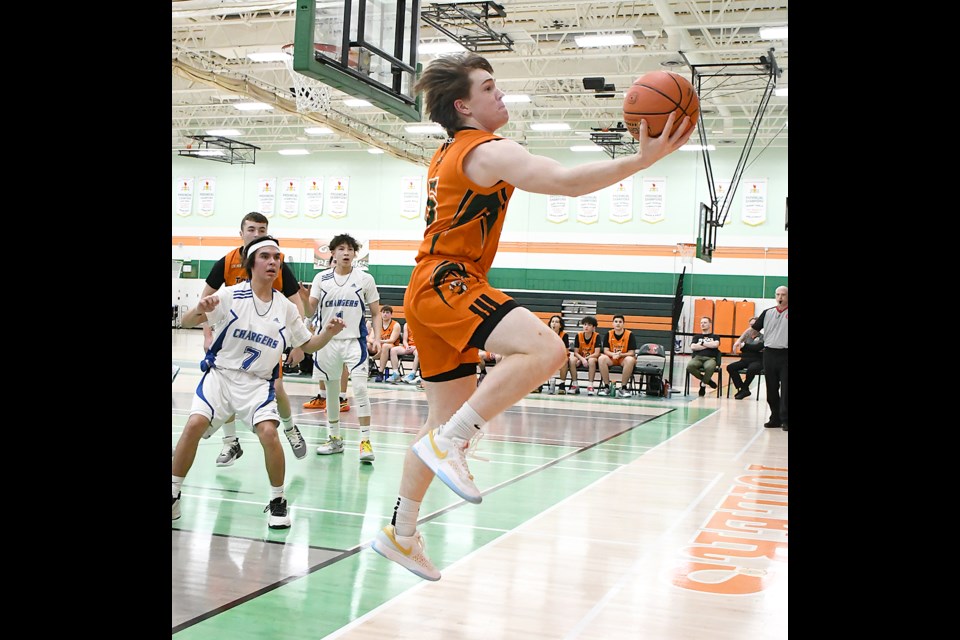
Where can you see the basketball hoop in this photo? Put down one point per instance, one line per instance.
(177, 265)
(311, 95)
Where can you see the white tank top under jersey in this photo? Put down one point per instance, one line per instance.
(245, 340)
(344, 296)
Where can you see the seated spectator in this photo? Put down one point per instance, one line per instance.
(619, 349)
(584, 354)
(751, 360)
(407, 348)
(557, 326)
(486, 357)
(388, 339)
(706, 352)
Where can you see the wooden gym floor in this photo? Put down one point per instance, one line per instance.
(601, 518)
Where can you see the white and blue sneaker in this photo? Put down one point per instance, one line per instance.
(446, 457)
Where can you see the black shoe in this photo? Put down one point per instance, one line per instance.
(702, 392)
(743, 393)
(784, 427)
(770, 425)
(713, 385)
(279, 519)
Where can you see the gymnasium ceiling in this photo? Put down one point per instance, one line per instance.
(211, 39)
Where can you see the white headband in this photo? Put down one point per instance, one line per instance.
(259, 244)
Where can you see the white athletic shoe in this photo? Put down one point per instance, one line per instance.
(408, 552)
(446, 457)
(334, 444)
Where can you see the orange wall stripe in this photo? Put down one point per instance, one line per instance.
(755, 253)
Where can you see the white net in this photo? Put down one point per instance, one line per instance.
(686, 252)
(312, 96)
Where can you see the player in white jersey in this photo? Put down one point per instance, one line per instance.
(253, 324)
(342, 291)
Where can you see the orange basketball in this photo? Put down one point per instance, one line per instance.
(653, 96)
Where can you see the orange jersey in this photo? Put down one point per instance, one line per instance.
(233, 271)
(618, 345)
(388, 330)
(586, 347)
(464, 220)
(410, 341)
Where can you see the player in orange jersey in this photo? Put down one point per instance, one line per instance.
(449, 303)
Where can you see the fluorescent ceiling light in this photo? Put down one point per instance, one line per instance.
(253, 106)
(375, 151)
(610, 40)
(439, 47)
(224, 132)
(773, 33)
(425, 128)
(293, 152)
(517, 97)
(317, 131)
(585, 148)
(356, 102)
(268, 56)
(550, 126)
(780, 91)
(697, 147)
(209, 152)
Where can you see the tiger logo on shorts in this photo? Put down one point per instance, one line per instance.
(450, 276)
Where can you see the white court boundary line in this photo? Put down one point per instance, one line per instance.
(593, 612)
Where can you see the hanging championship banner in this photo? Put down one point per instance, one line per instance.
(184, 196)
(621, 201)
(654, 200)
(289, 197)
(754, 205)
(410, 189)
(206, 194)
(588, 208)
(337, 191)
(558, 209)
(266, 195)
(313, 193)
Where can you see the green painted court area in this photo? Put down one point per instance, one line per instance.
(234, 577)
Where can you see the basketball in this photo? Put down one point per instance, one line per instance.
(653, 96)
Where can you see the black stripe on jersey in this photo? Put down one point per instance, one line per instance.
(479, 338)
(484, 306)
(327, 276)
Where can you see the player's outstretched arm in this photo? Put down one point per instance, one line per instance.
(199, 313)
(509, 161)
(333, 326)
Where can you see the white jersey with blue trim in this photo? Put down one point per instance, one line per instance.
(344, 296)
(245, 340)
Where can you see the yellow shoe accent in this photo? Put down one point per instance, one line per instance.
(389, 531)
(436, 450)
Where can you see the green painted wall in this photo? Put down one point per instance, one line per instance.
(714, 286)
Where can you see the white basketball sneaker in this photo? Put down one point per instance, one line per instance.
(408, 552)
(446, 457)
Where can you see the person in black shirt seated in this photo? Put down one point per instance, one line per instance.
(706, 353)
(751, 360)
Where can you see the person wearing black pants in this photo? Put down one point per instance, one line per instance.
(751, 360)
(773, 321)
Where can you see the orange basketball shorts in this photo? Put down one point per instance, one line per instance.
(452, 310)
